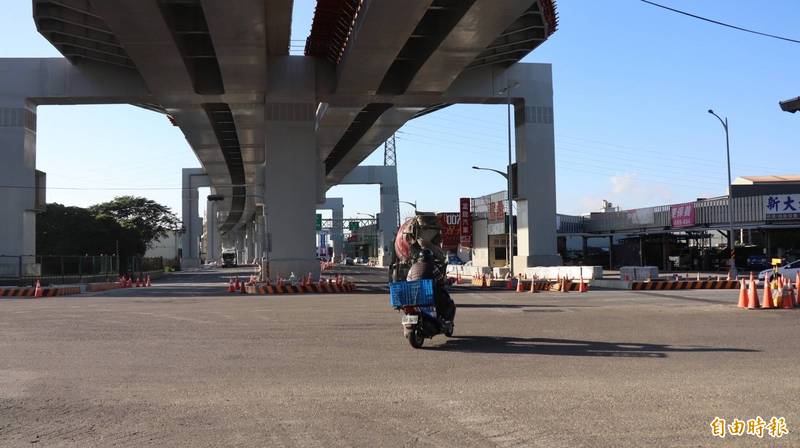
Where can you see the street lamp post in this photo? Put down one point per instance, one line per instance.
(507, 92)
(733, 272)
(509, 247)
(413, 204)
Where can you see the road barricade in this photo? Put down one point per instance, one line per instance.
(322, 287)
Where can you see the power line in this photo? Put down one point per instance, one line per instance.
(716, 22)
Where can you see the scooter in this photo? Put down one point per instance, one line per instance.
(416, 301)
(420, 323)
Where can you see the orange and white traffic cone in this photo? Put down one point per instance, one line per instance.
(37, 292)
(742, 294)
(138, 282)
(242, 288)
(768, 300)
(519, 284)
(533, 286)
(231, 287)
(148, 283)
(787, 299)
(582, 287)
(797, 289)
(483, 281)
(752, 296)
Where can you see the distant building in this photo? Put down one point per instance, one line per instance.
(166, 247)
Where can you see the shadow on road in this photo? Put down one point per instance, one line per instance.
(568, 347)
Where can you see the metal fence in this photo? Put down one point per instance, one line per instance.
(66, 269)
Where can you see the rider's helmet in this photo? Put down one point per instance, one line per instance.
(426, 255)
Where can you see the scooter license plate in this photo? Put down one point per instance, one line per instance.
(410, 319)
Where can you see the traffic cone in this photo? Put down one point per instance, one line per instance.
(483, 281)
(231, 287)
(752, 297)
(129, 283)
(37, 292)
(138, 282)
(742, 295)
(147, 283)
(533, 285)
(510, 283)
(768, 300)
(567, 285)
(787, 301)
(582, 287)
(242, 288)
(519, 284)
(797, 290)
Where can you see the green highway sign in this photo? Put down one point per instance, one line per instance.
(353, 226)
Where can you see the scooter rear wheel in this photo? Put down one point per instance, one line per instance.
(415, 338)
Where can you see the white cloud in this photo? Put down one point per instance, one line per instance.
(628, 190)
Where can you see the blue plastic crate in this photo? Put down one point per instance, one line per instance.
(419, 293)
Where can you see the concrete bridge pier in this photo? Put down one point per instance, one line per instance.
(292, 172)
(336, 206)
(386, 177)
(192, 179)
(18, 170)
(213, 240)
(532, 97)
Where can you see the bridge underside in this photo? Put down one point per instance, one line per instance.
(273, 132)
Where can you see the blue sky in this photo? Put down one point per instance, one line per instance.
(632, 85)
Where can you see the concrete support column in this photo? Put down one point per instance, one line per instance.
(251, 242)
(260, 234)
(213, 240)
(536, 166)
(386, 176)
(291, 175)
(18, 149)
(192, 179)
(337, 233)
(336, 206)
(387, 227)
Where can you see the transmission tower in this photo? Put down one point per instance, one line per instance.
(389, 152)
(390, 159)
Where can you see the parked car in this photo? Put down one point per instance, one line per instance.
(788, 271)
(347, 261)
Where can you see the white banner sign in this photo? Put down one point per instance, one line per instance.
(782, 206)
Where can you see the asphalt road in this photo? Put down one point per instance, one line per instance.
(186, 364)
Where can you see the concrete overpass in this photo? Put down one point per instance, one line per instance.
(273, 132)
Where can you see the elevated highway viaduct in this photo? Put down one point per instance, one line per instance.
(273, 132)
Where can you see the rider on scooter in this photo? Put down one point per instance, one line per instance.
(425, 268)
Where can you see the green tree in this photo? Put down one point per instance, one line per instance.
(62, 230)
(147, 218)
